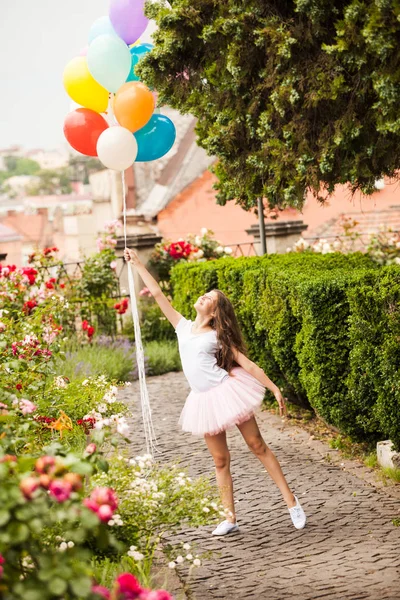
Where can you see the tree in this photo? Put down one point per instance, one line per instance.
(50, 182)
(290, 96)
(17, 165)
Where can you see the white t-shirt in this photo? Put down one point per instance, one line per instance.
(198, 356)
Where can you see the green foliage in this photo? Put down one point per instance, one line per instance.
(325, 328)
(154, 326)
(35, 564)
(114, 359)
(163, 357)
(51, 181)
(289, 96)
(16, 165)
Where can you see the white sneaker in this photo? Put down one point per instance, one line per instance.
(225, 527)
(298, 515)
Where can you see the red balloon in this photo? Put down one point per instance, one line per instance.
(82, 128)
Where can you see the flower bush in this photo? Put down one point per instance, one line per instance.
(383, 246)
(195, 248)
(67, 531)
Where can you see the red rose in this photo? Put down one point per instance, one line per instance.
(85, 325)
(90, 331)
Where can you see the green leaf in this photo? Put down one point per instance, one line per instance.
(57, 586)
(81, 586)
(4, 517)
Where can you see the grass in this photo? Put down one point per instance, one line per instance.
(116, 359)
(163, 357)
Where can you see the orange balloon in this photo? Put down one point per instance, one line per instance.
(133, 105)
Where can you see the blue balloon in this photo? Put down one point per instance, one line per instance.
(155, 139)
(102, 26)
(137, 53)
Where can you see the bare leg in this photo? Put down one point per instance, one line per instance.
(219, 451)
(257, 445)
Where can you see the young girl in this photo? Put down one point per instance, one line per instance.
(226, 388)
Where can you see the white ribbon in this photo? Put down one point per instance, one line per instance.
(151, 441)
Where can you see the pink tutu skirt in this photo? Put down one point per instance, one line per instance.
(230, 403)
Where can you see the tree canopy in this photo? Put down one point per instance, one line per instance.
(290, 96)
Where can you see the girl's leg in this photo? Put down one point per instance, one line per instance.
(255, 442)
(219, 451)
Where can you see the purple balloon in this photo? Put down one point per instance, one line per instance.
(128, 19)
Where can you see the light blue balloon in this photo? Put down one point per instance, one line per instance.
(101, 26)
(137, 53)
(109, 61)
(155, 139)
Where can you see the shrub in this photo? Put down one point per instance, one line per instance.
(163, 357)
(115, 358)
(315, 323)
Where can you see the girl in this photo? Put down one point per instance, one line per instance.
(226, 388)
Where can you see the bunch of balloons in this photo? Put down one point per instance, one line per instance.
(102, 79)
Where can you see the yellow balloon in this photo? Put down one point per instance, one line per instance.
(82, 88)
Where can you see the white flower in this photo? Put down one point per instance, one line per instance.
(128, 383)
(186, 546)
(132, 548)
(189, 556)
(228, 250)
(326, 248)
(71, 544)
(197, 562)
(135, 555)
(397, 260)
(219, 249)
(197, 240)
(179, 559)
(171, 565)
(60, 382)
(63, 546)
(206, 510)
(102, 408)
(204, 231)
(85, 382)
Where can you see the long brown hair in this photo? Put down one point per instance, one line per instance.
(228, 331)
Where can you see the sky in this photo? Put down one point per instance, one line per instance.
(37, 39)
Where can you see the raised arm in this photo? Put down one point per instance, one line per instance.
(172, 315)
(259, 374)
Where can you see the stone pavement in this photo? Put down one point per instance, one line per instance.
(348, 550)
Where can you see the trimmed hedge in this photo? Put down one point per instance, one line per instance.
(325, 328)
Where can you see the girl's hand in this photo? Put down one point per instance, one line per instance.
(131, 256)
(281, 403)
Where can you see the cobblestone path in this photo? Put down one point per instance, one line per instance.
(349, 549)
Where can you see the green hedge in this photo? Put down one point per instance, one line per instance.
(325, 328)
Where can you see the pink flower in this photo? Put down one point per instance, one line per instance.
(2, 405)
(101, 591)
(113, 265)
(28, 486)
(104, 495)
(128, 586)
(145, 292)
(60, 490)
(44, 464)
(105, 512)
(91, 505)
(90, 449)
(27, 407)
(2, 561)
(155, 595)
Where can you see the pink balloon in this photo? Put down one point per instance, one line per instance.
(127, 18)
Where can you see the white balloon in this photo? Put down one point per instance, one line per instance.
(117, 148)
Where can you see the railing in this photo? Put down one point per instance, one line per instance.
(244, 249)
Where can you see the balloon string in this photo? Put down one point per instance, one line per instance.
(150, 436)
